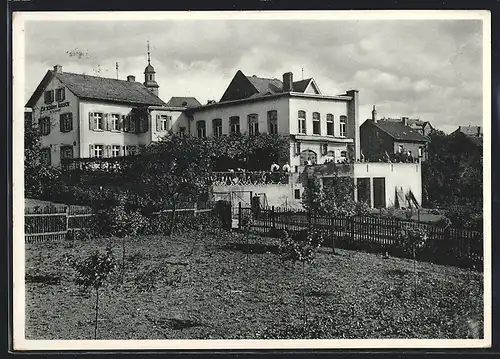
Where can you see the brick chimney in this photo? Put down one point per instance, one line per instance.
(58, 69)
(131, 78)
(374, 115)
(404, 120)
(288, 82)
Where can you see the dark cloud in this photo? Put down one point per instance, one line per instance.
(417, 66)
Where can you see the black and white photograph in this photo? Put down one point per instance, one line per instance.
(233, 180)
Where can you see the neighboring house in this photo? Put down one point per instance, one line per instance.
(422, 127)
(321, 127)
(382, 138)
(470, 138)
(83, 116)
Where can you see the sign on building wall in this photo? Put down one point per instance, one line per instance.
(55, 107)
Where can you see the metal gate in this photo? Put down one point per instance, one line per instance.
(235, 198)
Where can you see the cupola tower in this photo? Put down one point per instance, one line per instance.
(149, 76)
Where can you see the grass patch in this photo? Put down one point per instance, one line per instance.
(199, 286)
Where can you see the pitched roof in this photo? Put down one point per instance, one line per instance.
(100, 88)
(399, 131)
(271, 86)
(471, 130)
(416, 122)
(187, 102)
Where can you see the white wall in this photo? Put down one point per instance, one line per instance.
(179, 119)
(242, 110)
(56, 138)
(405, 175)
(278, 195)
(88, 136)
(323, 106)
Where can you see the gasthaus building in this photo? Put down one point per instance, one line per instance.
(83, 116)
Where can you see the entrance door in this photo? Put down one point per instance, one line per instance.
(363, 190)
(379, 192)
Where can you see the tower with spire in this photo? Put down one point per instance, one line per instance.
(149, 76)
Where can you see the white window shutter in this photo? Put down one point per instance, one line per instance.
(105, 120)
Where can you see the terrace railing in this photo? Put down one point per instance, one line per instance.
(249, 178)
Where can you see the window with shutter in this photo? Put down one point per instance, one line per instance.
(91, 121)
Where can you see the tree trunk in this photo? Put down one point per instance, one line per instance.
(304, 295)
(96, 311)
(415, 273)
(123, 259)
(248, 252)
(172, 219)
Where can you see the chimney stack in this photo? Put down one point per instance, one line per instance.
(478, 131)
(288, 82)
(404, 120)
(374, 114)
(131, 78)
(58, 69)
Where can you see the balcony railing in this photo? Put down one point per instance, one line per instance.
(249, 178)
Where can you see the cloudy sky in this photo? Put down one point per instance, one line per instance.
(431, 69)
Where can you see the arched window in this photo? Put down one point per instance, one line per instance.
(234, 124)
(217, 127)
(201, 129)
(302, 121)
(272, 121)
(329, 125)
(253, 124)
(316, 123)
(308, 155)
(343, 126)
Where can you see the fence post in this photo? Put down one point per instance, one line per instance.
(67, 218)
(239, 215)
(273, 224)
(351, 219)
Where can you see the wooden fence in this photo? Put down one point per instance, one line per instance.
(46, 224)
(53, 223)
(451, 246)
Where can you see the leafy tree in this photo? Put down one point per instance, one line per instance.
(313, 195)
(92, 272)
(301, 247)
(413, 239)
(335, 197)
(254, 153)
(39, 179)
(173, 169)
(123, 225)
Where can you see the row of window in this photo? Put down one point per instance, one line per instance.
(99, 121)
(65, 151)
(59, 95)
(65, 123)
(408, 152)
(101, 150)
(272, 124)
